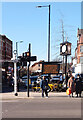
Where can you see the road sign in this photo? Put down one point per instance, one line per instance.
(27, 59)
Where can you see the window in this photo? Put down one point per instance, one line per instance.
(81, 48)
(81, 60)
(39, 65)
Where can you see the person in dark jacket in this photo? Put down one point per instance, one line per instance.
(44, 85)
(78, 82)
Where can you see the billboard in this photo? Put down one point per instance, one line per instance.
(50, 67)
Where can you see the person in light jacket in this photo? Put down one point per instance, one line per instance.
(71, 84)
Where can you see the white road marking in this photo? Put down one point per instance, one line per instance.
(8, 100)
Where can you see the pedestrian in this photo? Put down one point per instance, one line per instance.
(71, 84)
(67, 78)
(44, 85)
(78, 83)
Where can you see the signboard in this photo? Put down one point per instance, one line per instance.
(50, 67)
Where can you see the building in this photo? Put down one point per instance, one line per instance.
(5, 55)
(5, 48)
(78, 60)
(36, 67)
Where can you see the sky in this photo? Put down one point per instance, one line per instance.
(22, 21)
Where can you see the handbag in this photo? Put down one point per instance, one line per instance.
(68, 91)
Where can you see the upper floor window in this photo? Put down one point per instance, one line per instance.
(81, 60)
(39, 65)
(81, 48)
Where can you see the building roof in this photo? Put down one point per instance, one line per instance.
(37, 63)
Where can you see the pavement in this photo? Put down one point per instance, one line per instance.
(11, 95)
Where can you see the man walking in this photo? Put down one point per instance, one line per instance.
(78, 82)
(44, 85)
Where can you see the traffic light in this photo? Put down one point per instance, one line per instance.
(26, 54)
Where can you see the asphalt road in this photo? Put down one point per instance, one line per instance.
(37, 107)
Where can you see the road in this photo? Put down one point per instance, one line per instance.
(37, 107)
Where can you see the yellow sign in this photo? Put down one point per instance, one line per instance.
(50, 69)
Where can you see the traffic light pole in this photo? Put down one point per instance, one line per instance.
(26, 57)
(28, 71)
(28, 80)
(66, 70)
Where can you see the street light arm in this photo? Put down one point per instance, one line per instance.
(42, 6)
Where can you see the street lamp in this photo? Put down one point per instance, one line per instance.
(48, 32)
(17, 48)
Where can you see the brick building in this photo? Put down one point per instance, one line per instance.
(5, 55)
(36, 67)
(5, 48)
(79, 52)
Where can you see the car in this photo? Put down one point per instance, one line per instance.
(25, 81)
(32, 80)
(56, 83)
(55, 78)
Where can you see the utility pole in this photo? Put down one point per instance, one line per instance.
(28, 70)
(49, 6)
(49, 37)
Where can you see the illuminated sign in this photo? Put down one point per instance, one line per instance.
(50, 67)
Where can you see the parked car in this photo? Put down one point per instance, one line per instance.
(32, 80)
(55, 83)
(25, 81)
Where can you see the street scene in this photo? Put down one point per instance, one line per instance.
(41, 60)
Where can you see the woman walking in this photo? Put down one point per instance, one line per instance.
(71, 84)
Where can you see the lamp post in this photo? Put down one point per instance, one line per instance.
(17, 58)
(17, 48)
(48, 32)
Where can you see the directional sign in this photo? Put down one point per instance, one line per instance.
(27, 59)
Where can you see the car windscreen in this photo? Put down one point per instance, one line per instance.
(54, 81)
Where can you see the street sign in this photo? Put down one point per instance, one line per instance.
(50, 67)
(27, 59)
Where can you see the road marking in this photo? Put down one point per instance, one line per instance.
(8, 100)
